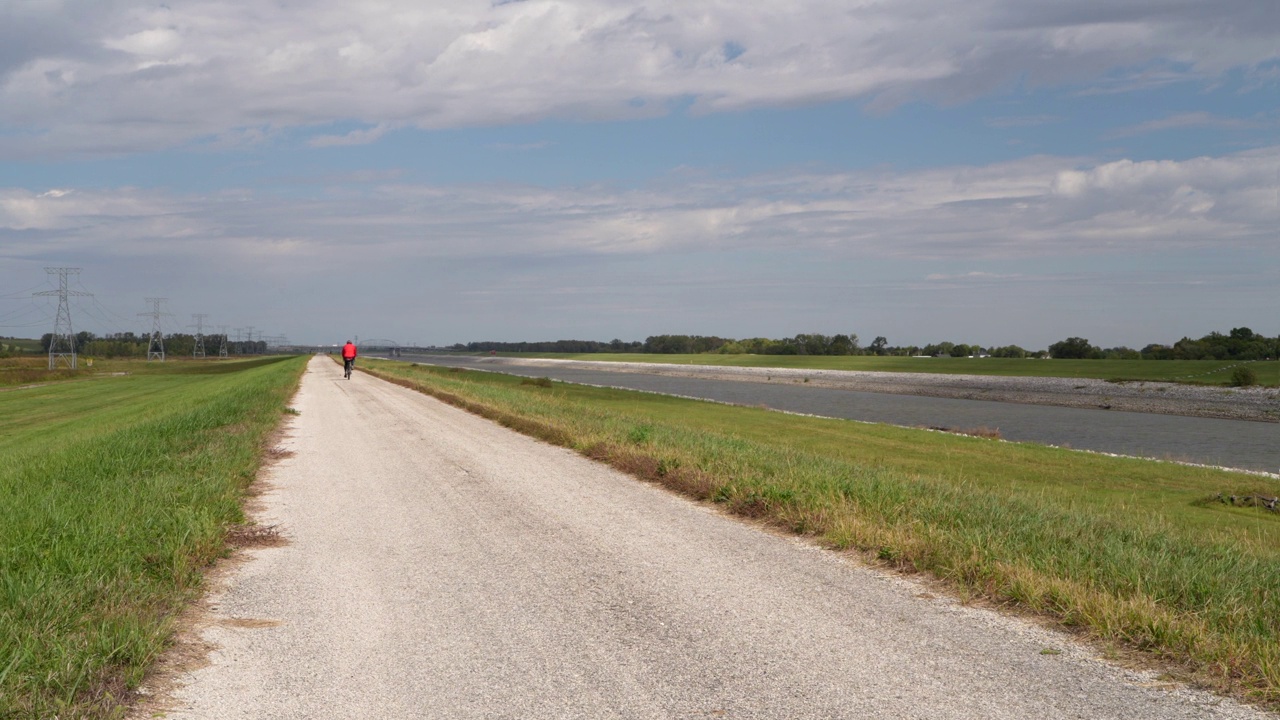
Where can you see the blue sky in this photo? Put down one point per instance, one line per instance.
(992, 173)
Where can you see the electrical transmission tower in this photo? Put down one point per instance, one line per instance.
(199, 326)
(253, 350)
(155, 348)
(62, 345)
(222, 344)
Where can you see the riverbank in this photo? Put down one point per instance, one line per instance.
(1260, 404)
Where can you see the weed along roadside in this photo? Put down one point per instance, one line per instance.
(1136, 554)
(117, 495)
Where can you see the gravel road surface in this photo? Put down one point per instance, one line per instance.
(440, 566)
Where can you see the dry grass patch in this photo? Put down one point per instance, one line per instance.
(255, 536)
(981, 431)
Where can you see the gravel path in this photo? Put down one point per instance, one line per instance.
(1252, 403)
(440, 566)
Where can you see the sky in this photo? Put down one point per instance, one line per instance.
(990, 172)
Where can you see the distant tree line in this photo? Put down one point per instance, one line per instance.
(802, 344)
(552, 346)
(681, 345)
(1240, 344)
(128, 344)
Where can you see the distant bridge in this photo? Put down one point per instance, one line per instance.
(380, 346)
(370, 346)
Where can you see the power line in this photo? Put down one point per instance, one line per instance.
(23, 314)
(199, 326)
(155, 348)
(115, 318)
(27, 325)
(62, 345)
(19, 294)
(104, 322)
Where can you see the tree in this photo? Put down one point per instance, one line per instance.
(877, 346)
(1121, 353)
(1008, 351)
(1073, 348)
(939, 349)
(1156, 351)
(811, 344)
(842, 345)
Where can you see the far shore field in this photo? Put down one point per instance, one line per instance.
(1195, 372)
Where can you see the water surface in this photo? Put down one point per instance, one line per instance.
(1210, 441)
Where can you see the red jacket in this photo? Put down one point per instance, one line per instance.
(349, 352)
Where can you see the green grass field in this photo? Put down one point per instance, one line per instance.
(117, 492)
(1136, 553)
(34, 369)
(22, 345)
(1216, 372)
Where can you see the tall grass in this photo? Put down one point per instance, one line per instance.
(1133, 552)
(34, 369)
(114, 497)
(27, 370)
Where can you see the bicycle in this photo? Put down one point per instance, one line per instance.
(347, 365)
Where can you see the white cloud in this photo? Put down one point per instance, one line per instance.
(969, 276)
(1023, 252)
(1040, 207)
(1017, 121)
(1187, 120)
(159, 43)
(355, 137)
(522, 147)
(112, 77)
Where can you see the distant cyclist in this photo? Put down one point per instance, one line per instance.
(348, 358)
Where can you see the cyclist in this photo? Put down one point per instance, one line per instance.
(348, 358)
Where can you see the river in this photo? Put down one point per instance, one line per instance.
(1226, 443)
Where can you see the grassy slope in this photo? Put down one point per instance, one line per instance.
(115, 494)
(1205, 371)
(1131, 550)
